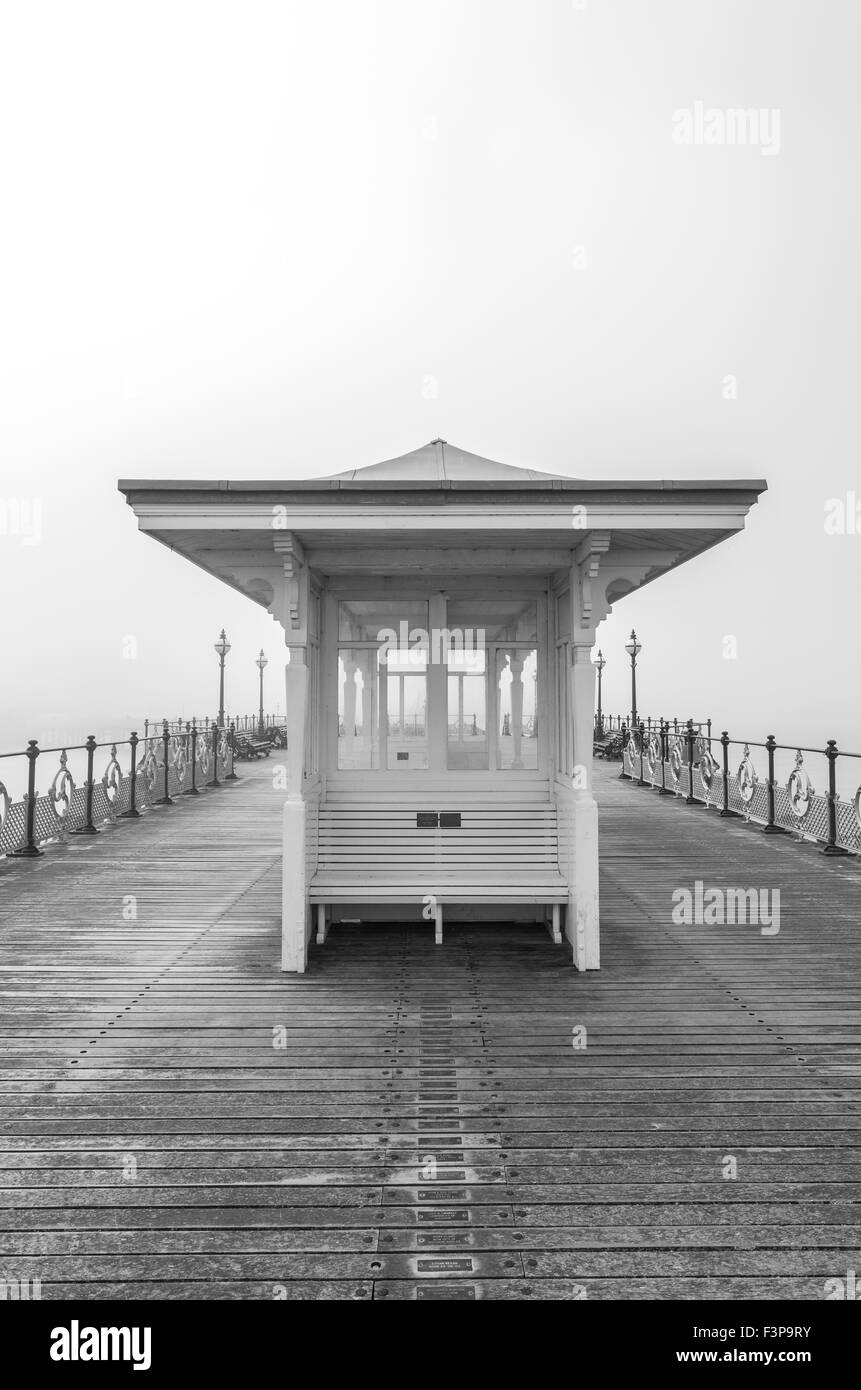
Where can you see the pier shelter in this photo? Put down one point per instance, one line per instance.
(439, 612)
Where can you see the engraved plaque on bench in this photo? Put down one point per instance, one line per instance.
(449, 820)
(426, 820)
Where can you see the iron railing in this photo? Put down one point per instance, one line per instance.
(242, 723)
(773, 788)
(613, 723)
(138, 774)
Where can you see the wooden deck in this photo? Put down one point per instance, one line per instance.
(263, 1171)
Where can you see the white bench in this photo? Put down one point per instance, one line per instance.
(432, 855)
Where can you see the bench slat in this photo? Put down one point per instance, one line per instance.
(370, 849)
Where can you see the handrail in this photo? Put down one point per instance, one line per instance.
(161, 762)
(787, 804)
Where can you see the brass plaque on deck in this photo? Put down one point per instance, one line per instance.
(445, 1238)
(445, 1292)
(465, 1266)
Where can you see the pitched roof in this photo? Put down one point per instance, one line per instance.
(439, 461)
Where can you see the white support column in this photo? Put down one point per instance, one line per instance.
(294, 889)
(290, 605)
(582, 917)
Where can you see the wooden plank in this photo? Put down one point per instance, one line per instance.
(309, 1167)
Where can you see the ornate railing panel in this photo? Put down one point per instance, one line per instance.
(754, 780)
(123, 778)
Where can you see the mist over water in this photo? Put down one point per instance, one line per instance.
(467, 221)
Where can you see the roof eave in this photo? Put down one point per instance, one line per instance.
(579, 485)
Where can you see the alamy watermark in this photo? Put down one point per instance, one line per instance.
(734, 125)
(843, 515)
(721, 907)
(77, 1343)
(416, 646)
(20, 1290)
(21, 517)
(847, 1288)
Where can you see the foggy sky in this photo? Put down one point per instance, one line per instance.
(284, 240)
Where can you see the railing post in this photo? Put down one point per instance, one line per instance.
(770, 828)
(232, 775)
(690, 799)
(665, 740)
(193, 791)
(709, 722)
(215, 782)
(165, 800)
(832, 846)
(133, 813)
(724, 741)
(30, 850)
(89, 828)
(641, 731)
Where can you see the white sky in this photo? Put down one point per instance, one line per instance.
(237, 241)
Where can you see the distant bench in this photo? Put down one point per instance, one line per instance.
(484, 852)
(253, 747)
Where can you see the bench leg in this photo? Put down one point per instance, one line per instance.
(437, 918)
(553, 926)
(322, 924)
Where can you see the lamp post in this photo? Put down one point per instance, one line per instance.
(261, 663)
(633, 648)
(222, 647)
(600, 663)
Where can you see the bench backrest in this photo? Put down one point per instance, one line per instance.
(376, 837)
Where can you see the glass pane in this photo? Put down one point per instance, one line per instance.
(358, 730)
(517, 695)
(406, 737)
(467, 711)
(485, 622)
(378, 619)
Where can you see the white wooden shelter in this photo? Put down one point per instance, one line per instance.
(439, 613)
